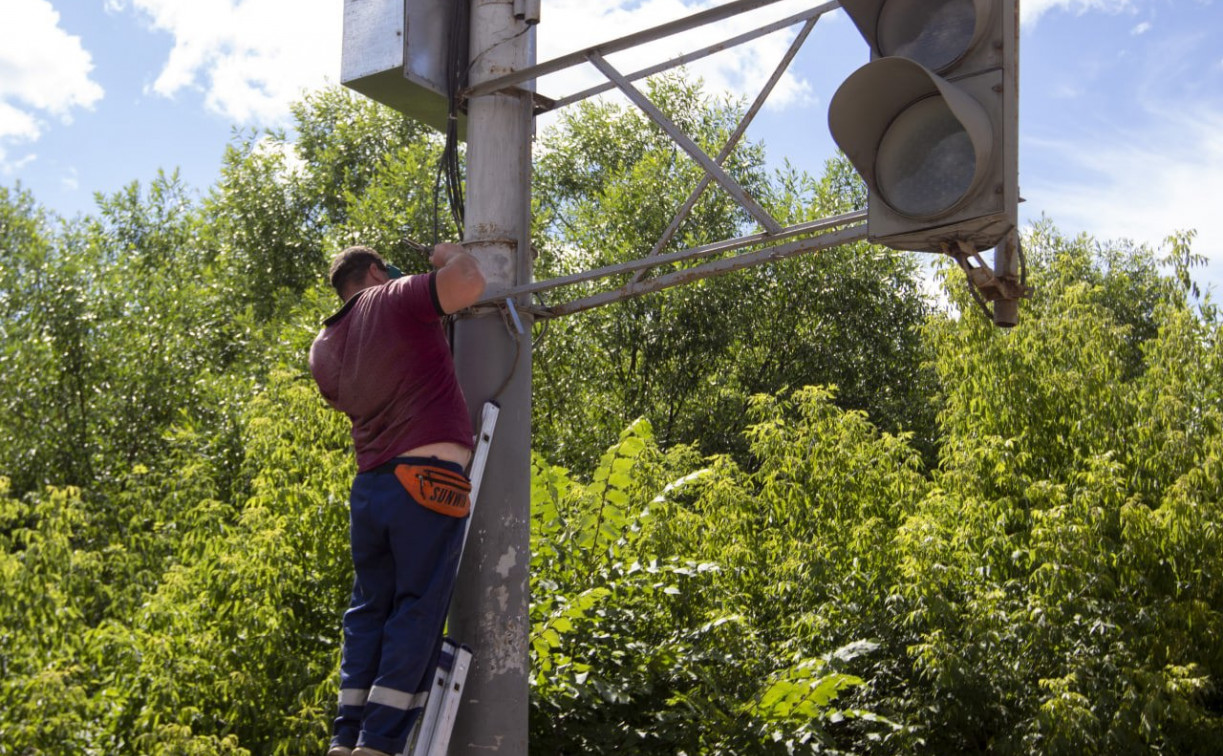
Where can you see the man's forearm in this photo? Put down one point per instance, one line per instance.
(459, 279)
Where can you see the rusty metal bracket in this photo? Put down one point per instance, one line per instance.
(981, 277)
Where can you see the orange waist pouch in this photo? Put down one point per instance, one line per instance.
(436, 488)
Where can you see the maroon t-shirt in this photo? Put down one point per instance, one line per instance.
(384, 361)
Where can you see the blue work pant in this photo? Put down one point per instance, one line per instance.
(405, 557)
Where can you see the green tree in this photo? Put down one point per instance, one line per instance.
(48, 373)
(1039, 569)
(608, 182)
(1046, 580)
(670, 617)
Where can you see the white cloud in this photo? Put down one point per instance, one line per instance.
(1031, 10)
(70, 181)
(1141, 28)
(250, 58)
(10, 167)
(44, 71)
(17, 124)
(570, 25)
(1067, 91)
(1143, 185)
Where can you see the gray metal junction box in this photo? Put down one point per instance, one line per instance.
(395, 51)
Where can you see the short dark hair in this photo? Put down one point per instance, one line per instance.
(350, 265)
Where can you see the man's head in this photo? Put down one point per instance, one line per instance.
(356, 268)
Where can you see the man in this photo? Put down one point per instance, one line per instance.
(383, 359)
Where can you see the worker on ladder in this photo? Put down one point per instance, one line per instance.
(383, 359)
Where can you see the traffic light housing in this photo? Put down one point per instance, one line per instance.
(931, 122)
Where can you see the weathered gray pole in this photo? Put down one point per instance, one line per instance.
(489, 611)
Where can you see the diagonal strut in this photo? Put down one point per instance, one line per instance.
(733, 141)
(680, 138)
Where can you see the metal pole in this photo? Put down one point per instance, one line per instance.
(493, 359)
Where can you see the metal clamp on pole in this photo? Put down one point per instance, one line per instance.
(527, 11)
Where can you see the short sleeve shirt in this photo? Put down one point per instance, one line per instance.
(383, 360)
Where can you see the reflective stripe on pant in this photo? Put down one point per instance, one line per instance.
(404, 559)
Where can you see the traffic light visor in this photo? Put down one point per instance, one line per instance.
(932, 33)
(936, 33)
(922, 144)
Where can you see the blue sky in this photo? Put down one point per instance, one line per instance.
(1121, 100)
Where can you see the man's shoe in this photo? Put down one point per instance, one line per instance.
(367, 751)
(339, 751)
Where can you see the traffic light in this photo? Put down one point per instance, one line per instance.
(931, 122)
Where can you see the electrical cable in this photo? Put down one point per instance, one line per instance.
(1023, 263)
(460, 34)
(976, 295)
(965, 251)
(450, 168)
(517, 339)
(458, 68)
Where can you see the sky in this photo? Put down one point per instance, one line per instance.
(1121, 104)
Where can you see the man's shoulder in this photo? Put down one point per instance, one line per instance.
(418, 292)
(415, 283)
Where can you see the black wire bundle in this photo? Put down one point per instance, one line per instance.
(450, 166)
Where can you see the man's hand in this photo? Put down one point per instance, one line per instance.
(443, 252)
(459, 280)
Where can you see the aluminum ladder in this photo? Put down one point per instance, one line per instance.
(431, 734)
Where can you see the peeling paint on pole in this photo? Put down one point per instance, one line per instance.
(498, 259)
(507, 562)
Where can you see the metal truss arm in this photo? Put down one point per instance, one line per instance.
(710, 16)
(711, 269)
(707, 250)
(689, 146)
(686, 58)
(733, 141)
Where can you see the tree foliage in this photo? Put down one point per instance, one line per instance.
(609, 182)
(793, 510)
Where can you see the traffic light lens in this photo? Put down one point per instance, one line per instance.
(926, 161)
(935, 34)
